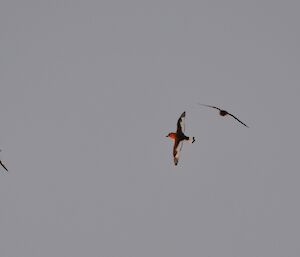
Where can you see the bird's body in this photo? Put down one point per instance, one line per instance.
(224, 113)
(179, 137)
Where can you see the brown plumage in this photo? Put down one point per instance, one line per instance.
(224, 113)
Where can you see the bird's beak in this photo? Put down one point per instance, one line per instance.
(167, 135)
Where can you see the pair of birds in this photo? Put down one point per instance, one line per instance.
(179, 137)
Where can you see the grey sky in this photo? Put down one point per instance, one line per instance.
(89, 90)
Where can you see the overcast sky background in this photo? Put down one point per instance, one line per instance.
(89, 90)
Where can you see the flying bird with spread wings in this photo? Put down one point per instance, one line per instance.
(224, 113)
(179, 137)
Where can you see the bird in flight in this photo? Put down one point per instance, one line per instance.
(224, 113)
(3, 165)
(179, 137)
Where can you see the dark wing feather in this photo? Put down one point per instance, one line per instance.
(180, 124)
(3, 165)
(238, 120)
(211, 106)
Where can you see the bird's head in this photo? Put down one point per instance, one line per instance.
(172, 135)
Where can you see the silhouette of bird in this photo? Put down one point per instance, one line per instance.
(224, 113)
(179, 137)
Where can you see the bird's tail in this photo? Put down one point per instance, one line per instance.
(191, 139)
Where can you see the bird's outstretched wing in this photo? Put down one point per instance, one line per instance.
(3, 165)
(180, 124)
(211, 106)
(176, 150)
(238, 119)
